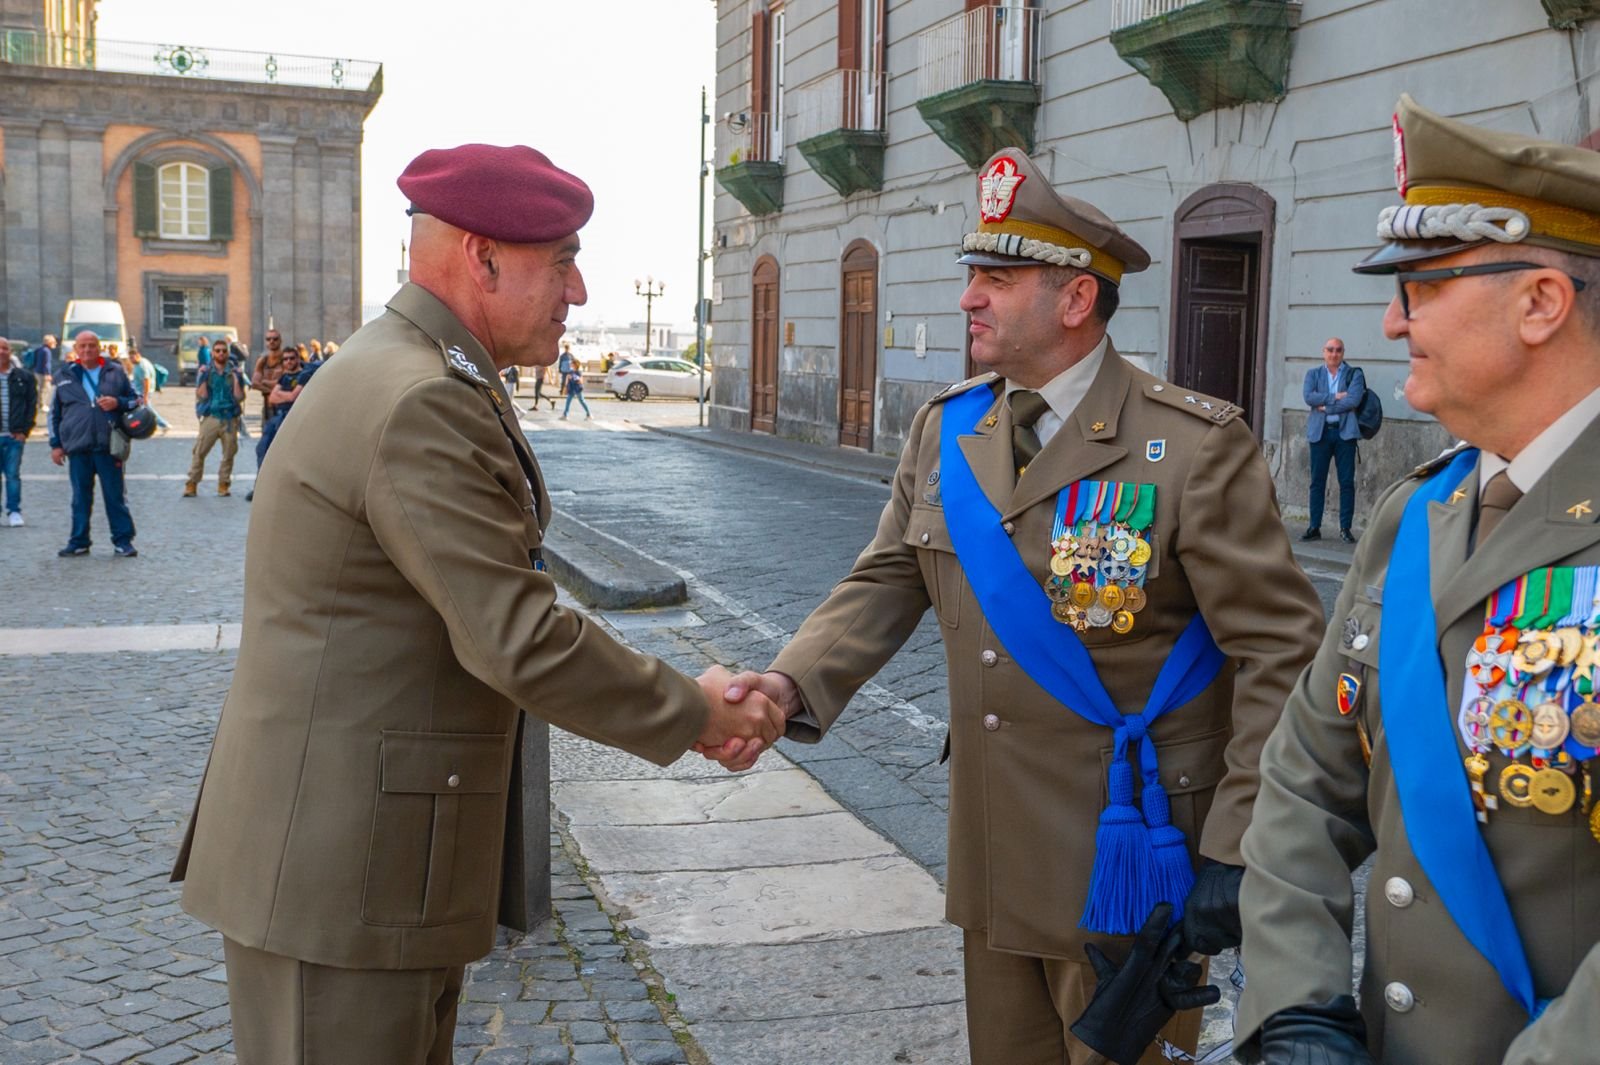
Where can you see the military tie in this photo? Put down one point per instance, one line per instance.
(1026, 407)
(1499, 496)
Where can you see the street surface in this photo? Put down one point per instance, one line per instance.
(106, 715)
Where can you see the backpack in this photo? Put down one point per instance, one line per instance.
(1369, 414)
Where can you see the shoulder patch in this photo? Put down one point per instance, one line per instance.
(1442, 459)
(964, 386)
(1207, 408)
(461, 364)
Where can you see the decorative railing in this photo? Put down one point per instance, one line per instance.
(985, 44)
(32, 48)
(751, 138)
(1125, 13)
(840, 99)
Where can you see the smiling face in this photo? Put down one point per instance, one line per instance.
(527, 312)
(1014, 317)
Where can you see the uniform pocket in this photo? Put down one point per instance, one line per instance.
(941, 570)
(437, 828)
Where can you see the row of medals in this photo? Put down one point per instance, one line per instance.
(1096, 577)
(1514, 715)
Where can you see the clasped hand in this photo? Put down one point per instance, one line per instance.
(748, 714)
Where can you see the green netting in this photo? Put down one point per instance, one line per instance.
(1212, 53)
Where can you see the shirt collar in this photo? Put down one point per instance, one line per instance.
(1535, 460)
(1066, 390)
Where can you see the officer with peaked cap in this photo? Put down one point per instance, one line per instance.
(358, 828)
(1081, 529)
(1448, 724)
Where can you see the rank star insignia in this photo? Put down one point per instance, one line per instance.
(1205, 406)
(1098, 427)
(1578, 510)
(1190, 399)
(1458, 495)
(997, 190)
(991, 421)
(459, 360)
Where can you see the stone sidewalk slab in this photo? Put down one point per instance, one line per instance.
(747, 797)
(107, 638)
(726, 845)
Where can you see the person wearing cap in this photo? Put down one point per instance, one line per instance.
(358, 829)
(1068, 500)
(1447, 725)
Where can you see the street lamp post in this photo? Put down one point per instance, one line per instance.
(700, 264)
(651, 290)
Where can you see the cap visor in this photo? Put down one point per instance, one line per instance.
(990, 258)
(1397, 253)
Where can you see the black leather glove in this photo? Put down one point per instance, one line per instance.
(1211, 914)
(1332, 1033)
(1132, 1001)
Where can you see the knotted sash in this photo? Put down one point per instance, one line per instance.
(1140, 858)
(1435, 798)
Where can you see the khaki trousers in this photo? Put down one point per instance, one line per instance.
(1019, 1008)
(291, 1012)
(212, 430)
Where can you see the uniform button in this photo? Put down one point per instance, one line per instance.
(1399, 997)
(1398, 892)
(924, 537)
(989, 658)
(1010, 528)
(453, 781)
(1183, 781)
(1361, 641)
(991, 723)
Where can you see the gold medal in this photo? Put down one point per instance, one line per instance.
(1509, 723)
(1122, 622)
(1062, 611)
(1553, 792)
(1083, 595)
(1536, 652)
(1571, 641)
(1111, 597)
(1594, 823)
(1550, 726)
(1585, 720)
(1133, 598)
(1060, 564)
(1140, 553)
(1516, 785)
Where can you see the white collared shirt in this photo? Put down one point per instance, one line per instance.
(1535, 460)
(1064, 391)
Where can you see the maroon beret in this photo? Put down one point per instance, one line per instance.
(512, 193)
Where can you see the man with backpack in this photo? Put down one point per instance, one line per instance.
(1333, 391)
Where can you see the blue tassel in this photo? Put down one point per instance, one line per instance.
(1121, 886)
(1174, 876)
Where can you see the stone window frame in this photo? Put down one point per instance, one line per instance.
(163, 156)
(187, 174)
(156, 280)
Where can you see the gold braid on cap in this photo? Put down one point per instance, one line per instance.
(1027, 248)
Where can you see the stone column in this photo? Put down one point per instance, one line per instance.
(278, 233)
(340, 236)
(308, 241)
(55, 224)
(87, 195)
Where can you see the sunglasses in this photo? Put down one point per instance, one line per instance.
(1450, 273)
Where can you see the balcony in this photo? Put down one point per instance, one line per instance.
(1568, 14)
(978, 80)
(34, 49)
(838, 125)
(753, 174)
(1206, 54)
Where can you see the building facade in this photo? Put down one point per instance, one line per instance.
(192, 185)
(1246, 144)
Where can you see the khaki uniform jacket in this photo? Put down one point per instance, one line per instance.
(354, 806)
(1027, 775)
(1322, 812)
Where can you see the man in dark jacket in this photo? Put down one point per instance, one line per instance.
(89, 395)
(19, 409)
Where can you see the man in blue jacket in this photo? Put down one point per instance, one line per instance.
(89, 395)
(1333, 391)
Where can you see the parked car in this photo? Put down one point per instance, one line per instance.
(656, 377)
(186, 352)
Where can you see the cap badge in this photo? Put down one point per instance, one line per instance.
(1399, 155)
(459, 360)
(997, 190)
(1155, 450)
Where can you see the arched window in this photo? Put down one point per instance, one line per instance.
(185, 201)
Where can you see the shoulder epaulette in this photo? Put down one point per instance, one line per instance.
(1208, 408)
(959, 387)
(1442, 459)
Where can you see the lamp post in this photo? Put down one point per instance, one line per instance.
(651, 290)
(700, 264)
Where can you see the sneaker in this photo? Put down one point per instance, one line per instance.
(189, 490)
(1347, 536)
(127, 551)
(1311, 534)
(14, 519)
(222, 490)
(72, 552)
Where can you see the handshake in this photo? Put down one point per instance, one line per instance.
(748, 712)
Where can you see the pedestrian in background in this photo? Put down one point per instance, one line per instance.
(565, 364)
(219, 398)
(42, 360)
(19, 410)
(512, 377)
(142, 372)
(575, 392)
(90, 393)
(541, 376)
(268, 370)
(290, 384)
(1333, 391)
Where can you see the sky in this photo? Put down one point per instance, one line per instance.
(608, 90)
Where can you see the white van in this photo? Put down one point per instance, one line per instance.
(101, 317)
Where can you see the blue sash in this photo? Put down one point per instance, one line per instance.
(1140, 859)
(1435, 799)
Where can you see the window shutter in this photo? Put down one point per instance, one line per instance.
(760, 45)
(146, 218)
(850, 34)
(972, 4)
(221, 203)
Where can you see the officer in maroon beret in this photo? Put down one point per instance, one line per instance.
(357, 834)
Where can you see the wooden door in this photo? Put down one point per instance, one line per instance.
(1216, 346)
(858, 345)
(764, 346)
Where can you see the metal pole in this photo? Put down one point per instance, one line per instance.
(700, 264)
(648, 300)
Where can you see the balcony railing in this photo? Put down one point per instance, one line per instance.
(32, 48)
(984, 44)
(751, 138)
(1125, 13)
(840, 99)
